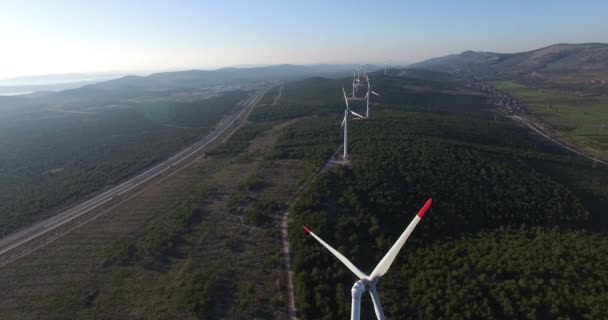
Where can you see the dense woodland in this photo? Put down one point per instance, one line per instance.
(50, 159)
(511, 234)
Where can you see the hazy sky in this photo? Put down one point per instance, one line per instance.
(89, 36)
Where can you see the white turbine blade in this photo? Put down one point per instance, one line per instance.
(376, 300)
(343, 120)
(356, 114)
(345, 98)
(390, 256)
(338, 255)
(375, 93)
(366, 96)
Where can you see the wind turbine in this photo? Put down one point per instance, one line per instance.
(354, 81)
(369, 90)
(369, 282)
(344, 124)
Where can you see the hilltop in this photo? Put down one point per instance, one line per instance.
(560, 63)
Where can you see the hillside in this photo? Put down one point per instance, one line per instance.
(560, 63)
(513, 218)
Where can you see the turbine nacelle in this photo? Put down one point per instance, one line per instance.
(348, 108)
(368, 282)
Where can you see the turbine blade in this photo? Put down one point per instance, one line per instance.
(343, 120)
(338, 255)
(356, 114)
(345, 98)
(376, 93)
(376, 300)
(390, 256)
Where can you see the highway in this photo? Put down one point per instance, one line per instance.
(13, 241)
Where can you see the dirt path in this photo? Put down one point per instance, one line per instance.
(292, 311)
(276, 100)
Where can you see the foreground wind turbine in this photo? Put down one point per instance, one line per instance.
(344, 124)
(367, 96)
(366, 282)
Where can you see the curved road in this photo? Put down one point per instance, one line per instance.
(17, 239)
(550, 138)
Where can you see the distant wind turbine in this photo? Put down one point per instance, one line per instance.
(369, 90)
(344, 124)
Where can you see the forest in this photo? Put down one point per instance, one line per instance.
(51, 159)
(511, 234)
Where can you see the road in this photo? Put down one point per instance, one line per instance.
(292, 311)
(15, 240)
(276, 100)
(535, 129)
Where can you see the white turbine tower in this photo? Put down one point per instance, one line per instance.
(366, 282)
(344, 125)
(369, 90)
(354, 83)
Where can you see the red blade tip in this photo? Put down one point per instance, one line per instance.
(307, 230)
(425, 208)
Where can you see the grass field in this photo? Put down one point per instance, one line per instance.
(575, 117)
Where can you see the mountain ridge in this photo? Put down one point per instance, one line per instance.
(560, 63)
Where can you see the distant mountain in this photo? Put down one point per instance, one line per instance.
(54, 79)
(557, 63)
(201, 78)
(7, 90)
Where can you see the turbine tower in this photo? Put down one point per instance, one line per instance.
(345, 127)
(369, 90)
(369, 282)
(344, 124)
(354, 85)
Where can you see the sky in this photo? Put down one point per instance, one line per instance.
(54, 37)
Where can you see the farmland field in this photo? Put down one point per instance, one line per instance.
(578, 118)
